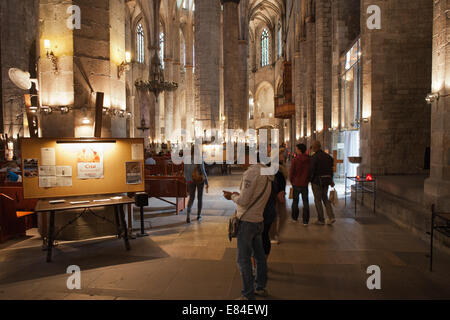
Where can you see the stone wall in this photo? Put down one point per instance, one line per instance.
(396, 76)
(18, 23)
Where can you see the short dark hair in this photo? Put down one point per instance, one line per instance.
(301, 147)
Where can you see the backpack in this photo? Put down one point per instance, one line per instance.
(196, 176)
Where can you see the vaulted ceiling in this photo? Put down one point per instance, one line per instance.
(265, 12)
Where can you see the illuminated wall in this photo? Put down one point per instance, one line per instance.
(88, 60)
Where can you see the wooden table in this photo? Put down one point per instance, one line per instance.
(91, 202)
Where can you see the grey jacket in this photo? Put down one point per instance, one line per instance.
(252, 185)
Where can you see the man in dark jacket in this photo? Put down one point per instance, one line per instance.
(278, 187)
(321, 176)
(299, 176)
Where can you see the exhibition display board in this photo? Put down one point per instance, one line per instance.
(55, 168)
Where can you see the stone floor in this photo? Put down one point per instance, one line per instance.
(197, 261)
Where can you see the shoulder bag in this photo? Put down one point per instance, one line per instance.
(234, 222)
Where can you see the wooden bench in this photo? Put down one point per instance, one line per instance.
(24, 208)
(10, 225)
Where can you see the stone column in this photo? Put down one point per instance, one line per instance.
(231, 62)
(189, 75)
(297, 99)
(175, 33)
(207, 56)
(437, 186)
(323, 72)
(88, 60)
(242, 109)
(310, 81)
(168, 100)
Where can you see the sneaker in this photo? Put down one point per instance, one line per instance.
(294, 221)
(242, 298)
(199, 218)
(305, 225)
(188, 220)
(274, 241)
(331, 221)
(261, 293)
(320, 223)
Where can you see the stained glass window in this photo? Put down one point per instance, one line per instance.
(161, 48)
(265, 52)
(140, 44)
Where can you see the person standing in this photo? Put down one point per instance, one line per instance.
(196, 179)
(255, 190)
(321, 176)
(280, 203)
(299, 176)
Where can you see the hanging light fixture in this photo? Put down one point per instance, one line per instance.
(156, 84)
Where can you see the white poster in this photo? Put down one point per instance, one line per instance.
(48, 157)
(90, 163)
(137, 152)
(47, 182)
(63, 181)
(64, 171)
(47, 171)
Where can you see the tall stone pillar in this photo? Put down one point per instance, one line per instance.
(87, 62)
(168, 100)
(310, 81)
(298, 77)
(207, 56)
(176, 78)
(231, 62)
(189, 67)
(437, 186)
(323, 72)
(242, 109)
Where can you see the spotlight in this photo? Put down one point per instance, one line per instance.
(432, 97)
(122, 114)
(46, 110)
(64, 110)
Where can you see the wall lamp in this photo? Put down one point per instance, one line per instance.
(432, 97)
(125, 65)
(51, 56)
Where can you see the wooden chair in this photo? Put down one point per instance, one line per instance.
(10, 225)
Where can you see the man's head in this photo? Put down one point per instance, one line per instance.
(301, 149)
(316, 146)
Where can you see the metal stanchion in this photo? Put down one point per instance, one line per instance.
(141, 202)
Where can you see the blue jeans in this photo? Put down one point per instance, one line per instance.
(249, 242)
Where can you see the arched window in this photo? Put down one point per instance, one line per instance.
(182, 49)
(265, 52)
(161, 48)
(140, 44)
(280, 42)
